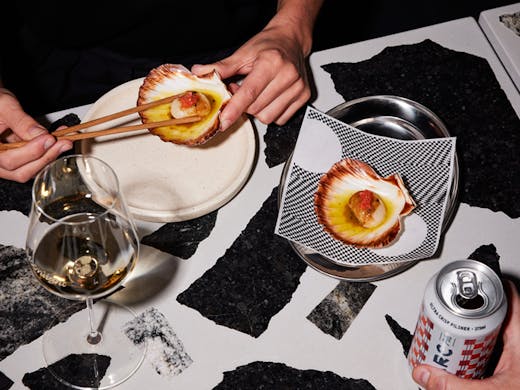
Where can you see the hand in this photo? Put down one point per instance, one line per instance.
(273, 61)
(275, 85)
(22, 163)
(507, 371)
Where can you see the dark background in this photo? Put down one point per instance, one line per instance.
(42, 61)
(346, 21)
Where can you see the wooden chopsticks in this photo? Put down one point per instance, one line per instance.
(67, 133)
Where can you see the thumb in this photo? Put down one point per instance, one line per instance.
(433, 378)
(15, 118)
(225, 68)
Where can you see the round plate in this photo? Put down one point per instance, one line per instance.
(166, 182)
(390, 116)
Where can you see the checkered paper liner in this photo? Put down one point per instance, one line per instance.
(426, 167)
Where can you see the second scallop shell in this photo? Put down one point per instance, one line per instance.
(358, 207)
(203, 96)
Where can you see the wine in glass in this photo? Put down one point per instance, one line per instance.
(82, 244)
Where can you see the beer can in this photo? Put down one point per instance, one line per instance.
(460, 318)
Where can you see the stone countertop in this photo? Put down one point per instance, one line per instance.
(228, 304)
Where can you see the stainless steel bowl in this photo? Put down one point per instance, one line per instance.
(390, 116)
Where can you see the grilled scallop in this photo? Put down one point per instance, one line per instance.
(203, 96)
(358, 207)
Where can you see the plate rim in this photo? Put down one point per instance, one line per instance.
(191, 211)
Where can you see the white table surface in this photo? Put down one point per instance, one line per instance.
(503, 39)
(368, 349)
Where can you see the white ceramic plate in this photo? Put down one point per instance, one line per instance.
(165, 182)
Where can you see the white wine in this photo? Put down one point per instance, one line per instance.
(82, 244)
(87, 256)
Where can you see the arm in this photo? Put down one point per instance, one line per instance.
(23, 163)
(274, 65)
(298, 17)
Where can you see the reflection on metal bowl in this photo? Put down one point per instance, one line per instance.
(389, 116)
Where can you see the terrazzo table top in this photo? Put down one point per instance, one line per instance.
(228, 305)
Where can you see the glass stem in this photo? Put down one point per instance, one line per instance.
(94, 336)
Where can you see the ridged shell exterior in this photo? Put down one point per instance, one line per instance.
(347, 177)
(172, 79)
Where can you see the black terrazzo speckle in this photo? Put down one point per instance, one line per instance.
(463, 91)
(164, 349)
(77, 368)
(280, 140)
(403, 335)
(15, 196)
(5, 382)
(252, 281)
(340, 307)
(268, 375)
(511, 21)
(67, 120)
(488, 255)
(26, 308)
(181, 239)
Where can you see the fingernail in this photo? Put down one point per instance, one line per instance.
(65, 148)
(36, 131)
(224, 124)
(423, 376)
(49, 142)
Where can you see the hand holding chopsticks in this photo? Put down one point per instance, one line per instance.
(71, 133)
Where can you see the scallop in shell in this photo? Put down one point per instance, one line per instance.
(202, 96)
(358, 207)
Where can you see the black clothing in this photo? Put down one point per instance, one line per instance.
(63, 54)
(345, 21)
(56, 57)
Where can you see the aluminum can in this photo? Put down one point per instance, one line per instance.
(460, 318)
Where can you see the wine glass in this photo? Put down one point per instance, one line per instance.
(82, 244)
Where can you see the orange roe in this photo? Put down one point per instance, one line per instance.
(189, 99)
(366, 197)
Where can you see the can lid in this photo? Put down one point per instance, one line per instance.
(469, 288)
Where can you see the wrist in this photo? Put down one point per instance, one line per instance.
(296, 18)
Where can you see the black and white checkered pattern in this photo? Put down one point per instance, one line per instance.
(424, 165)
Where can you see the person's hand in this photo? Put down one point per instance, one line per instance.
(22, 163)
(273, 61)
(507, 371)
(276, 82)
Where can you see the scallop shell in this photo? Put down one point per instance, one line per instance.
(173, 79)
(335, 211)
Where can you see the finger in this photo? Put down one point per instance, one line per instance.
(433, 378)
(511, 334)
(17, 120)
(225, 68)
(281, 109)
(12, 137)
(282, 88)
(28, 171)
(201, 70)
(249, 90)
(233, 87)
(23, 163)
(289, 112)
(33, 150)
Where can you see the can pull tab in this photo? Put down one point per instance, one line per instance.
(467, 284)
